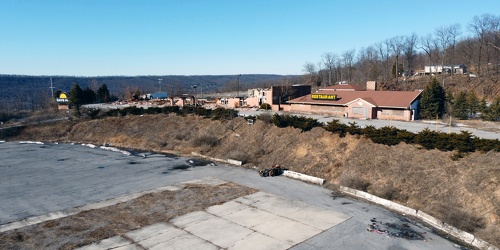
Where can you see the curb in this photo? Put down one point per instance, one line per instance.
(446, 228)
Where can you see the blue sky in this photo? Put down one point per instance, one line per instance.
(188, 37)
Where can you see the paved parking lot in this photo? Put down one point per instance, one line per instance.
(38, 179)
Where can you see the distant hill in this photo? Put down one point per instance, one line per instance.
(27, 91)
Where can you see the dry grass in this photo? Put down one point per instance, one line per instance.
(427, 180)
(94, 225)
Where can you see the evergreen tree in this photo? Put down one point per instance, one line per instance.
(473, 104)
(57, 94)
(88, 96)
(103, 94)
(492, 113)
(75, 98)
(450, 99)
(432, 100)
(460, 109)
(483, 106)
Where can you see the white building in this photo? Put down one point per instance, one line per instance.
(448, 69)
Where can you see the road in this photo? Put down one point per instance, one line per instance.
(37, 179)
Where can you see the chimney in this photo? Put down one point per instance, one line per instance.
(371, 85)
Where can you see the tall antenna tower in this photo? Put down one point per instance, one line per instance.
(51, 89)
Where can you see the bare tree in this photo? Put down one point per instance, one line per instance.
(466, 50)
(428, 45)
(454, 31)
(310, 70)
(409, 49)
(348, 58)
(329, 59)
(396, 44)
(384, 50)
(482, 26)
(497, 39)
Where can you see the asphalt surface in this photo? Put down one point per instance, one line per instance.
(36, 179)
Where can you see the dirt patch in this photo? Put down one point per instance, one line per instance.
(94, 225)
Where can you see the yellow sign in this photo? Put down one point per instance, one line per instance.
(323, 97)
(63, 98)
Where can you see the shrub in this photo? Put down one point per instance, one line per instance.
(224, 114)
(266, 117)
(353, 129)
(265, 106)
(427, 138)
(302, 122)
(335, 126)
(486, 145)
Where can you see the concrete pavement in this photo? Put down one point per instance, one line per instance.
(257, 221)
(39, 179)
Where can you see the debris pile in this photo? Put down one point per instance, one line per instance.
(395, 230)
(274, 171)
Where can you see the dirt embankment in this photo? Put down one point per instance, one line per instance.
(464, 193)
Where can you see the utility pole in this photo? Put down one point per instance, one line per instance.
(51, 89)
(239, 85)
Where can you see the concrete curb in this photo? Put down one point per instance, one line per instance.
(303, 177)
(446, 228)
(228, 161)
(287, 173)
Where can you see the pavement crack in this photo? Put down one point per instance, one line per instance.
(133, 242)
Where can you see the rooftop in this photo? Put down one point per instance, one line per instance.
(397, 99)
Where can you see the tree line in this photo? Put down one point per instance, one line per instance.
(78, 96)
(387, 60)
(435, 103)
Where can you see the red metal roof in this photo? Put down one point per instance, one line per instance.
(395, 99)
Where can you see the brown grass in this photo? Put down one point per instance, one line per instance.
(428, 180)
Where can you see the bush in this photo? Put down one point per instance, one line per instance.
(427, 138)
(265, 106)
(353, 129)
(302, 122)
(335, 126)
(266, 117)
(486, 145)
(223, 114)
(388, 135)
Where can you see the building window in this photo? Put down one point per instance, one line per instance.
(358, 110)
(393, 112)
